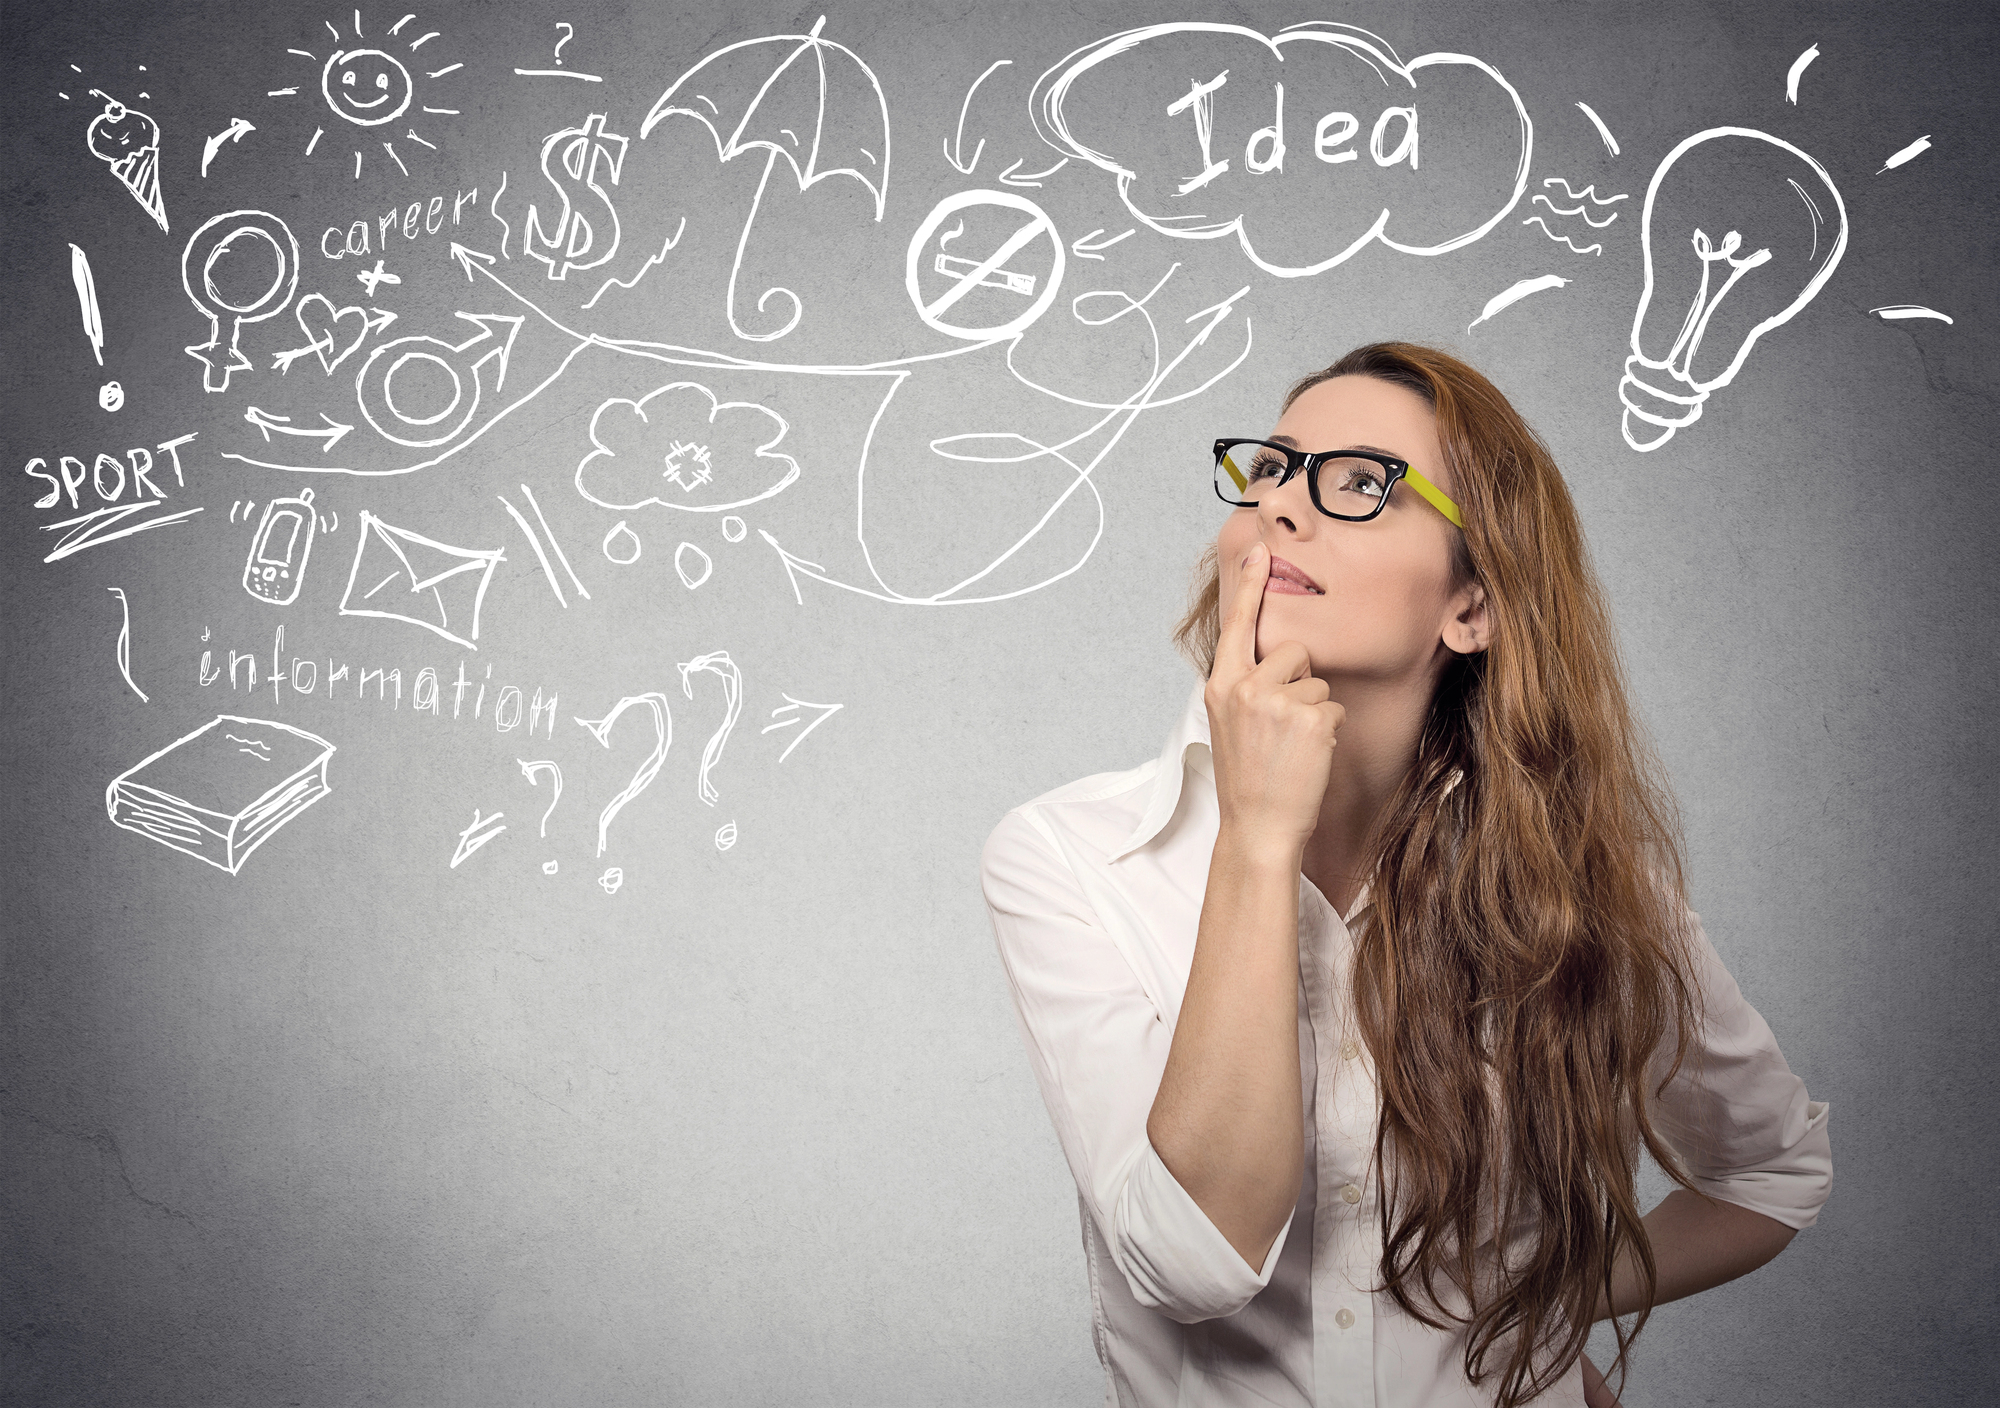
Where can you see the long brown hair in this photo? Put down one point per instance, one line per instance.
(1523, 959)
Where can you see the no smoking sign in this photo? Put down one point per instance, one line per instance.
(984, 265)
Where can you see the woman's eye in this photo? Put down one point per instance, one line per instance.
(1266, 467)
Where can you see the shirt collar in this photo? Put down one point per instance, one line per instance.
(1186, 745)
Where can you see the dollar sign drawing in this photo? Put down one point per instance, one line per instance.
(574, 161)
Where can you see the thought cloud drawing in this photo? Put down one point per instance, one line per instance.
(1308, 145)
(679, 447)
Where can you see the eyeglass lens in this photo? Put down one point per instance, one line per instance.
(1348, 487)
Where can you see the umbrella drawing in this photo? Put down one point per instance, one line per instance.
(798, 97)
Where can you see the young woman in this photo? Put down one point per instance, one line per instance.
(1354, 1008)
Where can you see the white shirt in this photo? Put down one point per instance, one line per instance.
(1095, 892)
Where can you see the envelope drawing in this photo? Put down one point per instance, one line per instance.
(404, 576)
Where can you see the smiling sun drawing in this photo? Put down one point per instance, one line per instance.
(371, 87)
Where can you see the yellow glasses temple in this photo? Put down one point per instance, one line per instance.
(1436, 496)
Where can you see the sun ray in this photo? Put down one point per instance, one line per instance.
(412, 135)
(393, 157)
(282, 93)
(419, 43)
(446, 112)
(397, 27)
(331, 30)
(318, 132)
(449, 68)
(357, 24)
(303, 54)
(357, 166)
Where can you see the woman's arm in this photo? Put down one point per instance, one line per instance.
(1229, 1120)
(1696, 1245)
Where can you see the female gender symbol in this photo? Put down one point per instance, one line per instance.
(237, 231)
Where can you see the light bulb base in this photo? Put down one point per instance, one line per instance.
(1652, 415)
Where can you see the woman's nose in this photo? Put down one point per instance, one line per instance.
(1290, 506)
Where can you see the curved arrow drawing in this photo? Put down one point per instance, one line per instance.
(232, 133)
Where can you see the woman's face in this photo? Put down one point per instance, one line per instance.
(1385, 601)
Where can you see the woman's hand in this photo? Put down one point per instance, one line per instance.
(1596, 1392)
(1271, 726)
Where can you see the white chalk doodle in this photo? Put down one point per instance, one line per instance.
(416, 360)
(804, 67)
(222, 791)
(481, 830)
(328, 432)
(611, 880)
(399, 575)
(371, 279)
(1896, 312)
(1091, 247)
(534, 772)
(717, 663)
(86, 297)
(790, 706)
(652, 262)
(734, 529)
(1203, 48)
(1661, 389)
(1564, 240)
(1909, 153)
(1508, 297)
(1555, 209)
(236, 131)
(628, 545)
(725, 836)
(680, 446)
(321, 322)
(254, 253)
(663, 724)
(1610, 142)
(1016, 226)
(128, 141)
(275, 568)
(954, 149)
(110, 396)
(584, 233)
(98, 527)
(569, 33)
(1796, 71)
(369, 87)
(693, 565)
(125, 642)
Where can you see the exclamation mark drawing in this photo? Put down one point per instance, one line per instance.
(110, 395)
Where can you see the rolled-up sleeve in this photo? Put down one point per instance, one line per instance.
(1736, 1114)
(1099, 1045)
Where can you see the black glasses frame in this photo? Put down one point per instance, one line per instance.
(1298, 461)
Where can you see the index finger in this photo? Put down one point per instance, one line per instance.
(1237, 643)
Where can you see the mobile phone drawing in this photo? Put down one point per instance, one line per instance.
(276, 567)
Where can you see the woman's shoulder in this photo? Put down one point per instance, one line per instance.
(1097, 810)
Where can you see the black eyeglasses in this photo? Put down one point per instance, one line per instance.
(1352, 485)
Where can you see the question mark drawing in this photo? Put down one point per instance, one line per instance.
(532, 771)
(563, 25)
(600, 729)
(718, 663)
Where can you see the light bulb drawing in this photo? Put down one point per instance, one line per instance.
(1730, 213)
(370, 87)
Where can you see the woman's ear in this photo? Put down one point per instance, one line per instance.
(1469, 628)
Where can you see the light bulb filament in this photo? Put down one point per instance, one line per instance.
(1680, 360)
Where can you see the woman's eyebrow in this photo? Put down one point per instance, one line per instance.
(1371, 449)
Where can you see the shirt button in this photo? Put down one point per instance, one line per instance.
(1343, 1317)
(1350, 1048)
(1350, 1194)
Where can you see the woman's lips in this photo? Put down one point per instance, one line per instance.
(1287, 580)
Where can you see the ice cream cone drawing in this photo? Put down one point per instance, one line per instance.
(130, 141)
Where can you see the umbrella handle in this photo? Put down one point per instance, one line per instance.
(742, 241)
